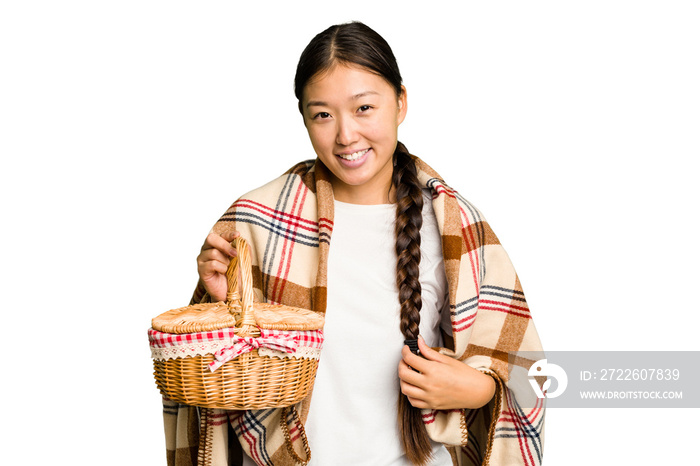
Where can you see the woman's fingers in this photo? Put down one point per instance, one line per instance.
(221, 243)
(423, 361)
(209, 255)
(413, 385)
(213, 262)
(417, 362)
(215, 267)
(417, 403)
(411, 391)
(428, 353)
(407, 374)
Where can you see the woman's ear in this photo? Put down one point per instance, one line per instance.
(403, 106)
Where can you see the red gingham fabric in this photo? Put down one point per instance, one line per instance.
(285, 341)
(307, 338)
(164, 340)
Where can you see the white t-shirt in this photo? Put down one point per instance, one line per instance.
(352, 418)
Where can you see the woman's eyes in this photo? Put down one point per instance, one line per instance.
(325, 115)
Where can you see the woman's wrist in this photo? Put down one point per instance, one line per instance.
(481, 390)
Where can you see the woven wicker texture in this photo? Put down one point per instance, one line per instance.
(276, 317)
(198, 318)
(250, 381)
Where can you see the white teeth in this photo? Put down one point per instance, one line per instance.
(354, 155)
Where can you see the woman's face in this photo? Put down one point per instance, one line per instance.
(352, 116)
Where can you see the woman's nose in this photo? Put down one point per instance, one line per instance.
(346, 132)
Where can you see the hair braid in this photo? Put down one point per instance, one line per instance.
(409, 219)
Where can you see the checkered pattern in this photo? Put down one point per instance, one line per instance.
(278, 340)
(289, 225)
(308, 338)
(226, 345)
(164, 340)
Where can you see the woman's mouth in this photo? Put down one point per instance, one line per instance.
(355, 159)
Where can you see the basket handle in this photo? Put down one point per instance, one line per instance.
(247, 326)
(232, 296)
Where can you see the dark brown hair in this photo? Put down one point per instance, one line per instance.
(357, 44)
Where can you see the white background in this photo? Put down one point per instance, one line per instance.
(127, 128)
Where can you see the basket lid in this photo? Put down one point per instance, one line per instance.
(203, 317)
(279, 317)
(214, 316)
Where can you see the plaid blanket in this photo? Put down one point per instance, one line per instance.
(289, 226)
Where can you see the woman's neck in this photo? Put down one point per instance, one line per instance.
(378, 192)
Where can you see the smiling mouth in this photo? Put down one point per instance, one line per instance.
(354, 155)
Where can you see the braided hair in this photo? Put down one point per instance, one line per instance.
(409, 219)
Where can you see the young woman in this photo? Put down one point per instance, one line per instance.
(371, 236)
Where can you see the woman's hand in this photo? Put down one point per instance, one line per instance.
(212, 263)
(442, 382)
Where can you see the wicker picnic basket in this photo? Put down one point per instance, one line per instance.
(238, 354)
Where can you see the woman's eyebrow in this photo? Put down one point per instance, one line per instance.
(316, 103)
(320, 103)
(364, 94)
